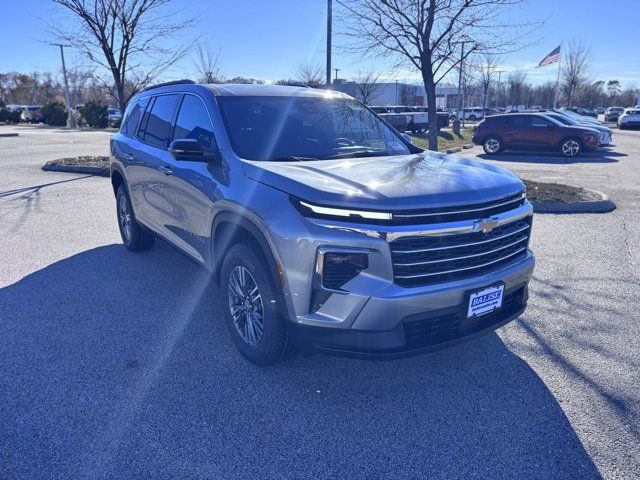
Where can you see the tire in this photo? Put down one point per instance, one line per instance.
(134, 237)
(570, 147)
(452, 118)
(621, 127)
(492, 145)
(256, 325)
(472, 118)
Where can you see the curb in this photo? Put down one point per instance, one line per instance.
(604, 205)
(76, 169)
(9, 135)
(468, 146)
(454, 150)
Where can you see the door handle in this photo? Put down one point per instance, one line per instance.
(165, 170)
(127, 156)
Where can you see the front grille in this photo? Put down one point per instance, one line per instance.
(425, 332)
(423, 260)
(458, 213)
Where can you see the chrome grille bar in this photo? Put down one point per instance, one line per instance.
(464, 257)
(464, 268)
(470, 244)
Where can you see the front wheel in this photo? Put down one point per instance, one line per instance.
(472, 118)
(134, 237)
(251, 311)
(570, 147)
(492, 145)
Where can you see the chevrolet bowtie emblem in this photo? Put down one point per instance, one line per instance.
(485, 225)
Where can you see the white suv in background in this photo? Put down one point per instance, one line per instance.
(629, 118)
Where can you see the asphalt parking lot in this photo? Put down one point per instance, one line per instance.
(116, 365)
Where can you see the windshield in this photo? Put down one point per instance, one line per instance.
(306, 128)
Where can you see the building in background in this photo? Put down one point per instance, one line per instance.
(399, 93)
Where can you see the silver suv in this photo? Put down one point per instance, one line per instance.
(325, 228)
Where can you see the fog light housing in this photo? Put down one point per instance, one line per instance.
(336, 268)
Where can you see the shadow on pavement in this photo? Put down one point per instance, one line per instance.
(600, 156)
(118, 365)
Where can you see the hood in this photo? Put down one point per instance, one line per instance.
(426, 179)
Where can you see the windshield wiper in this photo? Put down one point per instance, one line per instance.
(292, 158)
(359, 154)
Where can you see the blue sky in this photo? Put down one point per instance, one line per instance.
(267, 38)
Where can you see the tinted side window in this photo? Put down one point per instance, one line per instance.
(156, 130)
(193, 122)
(519, 122)
(540, 122)
(132, 116)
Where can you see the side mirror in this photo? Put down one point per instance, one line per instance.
(189, 149)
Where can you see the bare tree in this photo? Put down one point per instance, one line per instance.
(434, 36)
(575, 70)
(208, 65)
(517, 82)
(310, 74)
(367, 85)
(126, 37)
(485, 73)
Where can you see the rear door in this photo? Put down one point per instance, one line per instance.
(153, 183)
(517, 131)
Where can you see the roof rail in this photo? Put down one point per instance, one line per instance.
(166, 84)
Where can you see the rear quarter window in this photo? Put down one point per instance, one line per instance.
(132, 116)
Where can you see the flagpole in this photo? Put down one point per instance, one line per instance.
(555, 98)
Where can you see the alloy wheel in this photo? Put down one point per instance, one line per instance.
(124, 217)
(492, 145)
(245, 304)
(570, 148)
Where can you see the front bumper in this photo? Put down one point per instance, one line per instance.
(413, 334)
(398, 322)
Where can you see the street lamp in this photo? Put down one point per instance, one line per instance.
(70, 120)
(329, 21)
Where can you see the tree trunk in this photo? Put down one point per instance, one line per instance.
(430, 90)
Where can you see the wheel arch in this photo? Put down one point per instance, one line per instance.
(229, 228)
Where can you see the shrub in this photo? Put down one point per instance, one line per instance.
(95, 114)
(54, 113)
(9, 116)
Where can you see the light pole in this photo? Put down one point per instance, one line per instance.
(70, 120)
(461, 94)
(329, 13)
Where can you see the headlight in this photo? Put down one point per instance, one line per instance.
(311, 210)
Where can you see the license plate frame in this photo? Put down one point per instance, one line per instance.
(490, 305)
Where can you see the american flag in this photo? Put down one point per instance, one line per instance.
(553, 57)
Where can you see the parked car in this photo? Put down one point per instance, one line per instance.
(533, 131)
(629, 118)
(416, 121)
(605, 132)
(471, 114)
(399, 121)
(611, 114)
(599, 110)
(584, 111)
(443, 116)
(323, 227)
(114, 117)
(31, 114)
(586, 119)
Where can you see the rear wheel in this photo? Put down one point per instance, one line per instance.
(251, 311)
(472, 118)
(570, 147)
(492, 145)
(134, 237)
